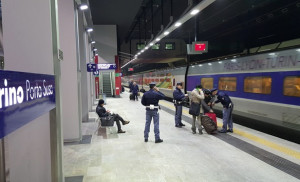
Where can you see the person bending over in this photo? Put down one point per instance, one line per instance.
(102, 112)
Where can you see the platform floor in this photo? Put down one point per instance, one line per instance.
(245, 155)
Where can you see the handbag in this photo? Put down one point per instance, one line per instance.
(107, 121)
(194, 109)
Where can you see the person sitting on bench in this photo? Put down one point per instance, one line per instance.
(102, 112)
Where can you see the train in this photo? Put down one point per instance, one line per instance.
(263, 87)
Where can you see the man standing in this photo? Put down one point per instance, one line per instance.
(227, 109)
(130, 85)
(178, 97)
(135, 91)
(197, 96)
(150, 99)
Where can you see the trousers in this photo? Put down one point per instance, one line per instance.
(198, 123)
(118, 118)
(227, 118)
(149, 115)
(135, 96)
(178, 114)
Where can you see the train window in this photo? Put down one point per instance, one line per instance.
(140, 46)
(155, 47)
(207, 83)
(291, 86)
(258, 84)
(227, 83)
(170, 46)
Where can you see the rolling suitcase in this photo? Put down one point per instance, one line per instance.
(131, 97)
(209, 125)
(212, 116)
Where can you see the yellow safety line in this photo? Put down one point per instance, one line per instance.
(254, 138)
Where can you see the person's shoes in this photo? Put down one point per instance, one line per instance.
(200, 131)
(229, 130)
(146, 139)
(126, 122)
(222, 131)
(121, 131)
(159, 141)
(194, 131)
(178, 126)
(181, 124)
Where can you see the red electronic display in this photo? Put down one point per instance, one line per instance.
(200, 47)
(130, 69)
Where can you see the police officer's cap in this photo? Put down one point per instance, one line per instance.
(179, 83)
(101, 101)
(152, 84)
(212, 90)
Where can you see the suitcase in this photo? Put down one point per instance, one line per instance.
(209, 125)
(107, 121)
(131, 97)
(212, 116)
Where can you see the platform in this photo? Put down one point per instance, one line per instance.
(245, 155)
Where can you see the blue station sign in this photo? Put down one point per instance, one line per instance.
(23, 98)
(91, 67)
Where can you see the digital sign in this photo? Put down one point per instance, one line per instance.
(200, 47)
(197, 48)
(130, 69)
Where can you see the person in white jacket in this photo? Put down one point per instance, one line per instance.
(197, 96)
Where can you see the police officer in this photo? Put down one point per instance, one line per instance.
(178, 97)
(150, 99)
(227, 109)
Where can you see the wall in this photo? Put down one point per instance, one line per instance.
(28, 48)
(106, 42)
(71, 120)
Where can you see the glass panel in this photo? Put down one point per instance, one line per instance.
(291, 86)
(207, 83)
(140, 46)
(170, 46)
(227, 83)
(258, 84)
(155, 46)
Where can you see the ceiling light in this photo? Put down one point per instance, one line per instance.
(151, 44)
(209, 64)
(272, 54)
(233, 60)
(95, 49)
(158, 39)
(142, 51)
(96, 54)
(200, 65)
(193, 66)
(298, 50)
(138, 53)
(234, 56)
(89, 29)
(93, 42)
(83, 7)
(178, 24)
(146, 47)
(166, 33)
(195, 11)
(220, 62)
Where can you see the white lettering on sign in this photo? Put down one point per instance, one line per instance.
(13, 95)
(105, 66)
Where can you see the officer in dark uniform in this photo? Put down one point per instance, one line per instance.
(227, 109)
(178, 97)
(150, 99)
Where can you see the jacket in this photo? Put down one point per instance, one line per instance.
(152, 97)
(135, 89)
(101, 111)
(178, 95)
(223, 98)
(197, 96)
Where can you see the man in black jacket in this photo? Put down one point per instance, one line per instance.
(102, 112)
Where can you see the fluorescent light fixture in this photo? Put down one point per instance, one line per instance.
(233, 60)
(225, 58)
(178, 24)
(146, 47)
(138, 53)
(151, 44)
(200, 65)
(193, 66)
(220, 62)
(234, 56)
(166, 33)
(83, 7)
(89, 29)
(209, 64)
(195, 11)
(158, 39)
(96, 54)
(272, 54)
(298, 50)
(95, 49)
(93, 42)
(142, 50)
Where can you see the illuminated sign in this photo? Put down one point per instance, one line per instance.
(197, 48)
(23, 98)
(130, 69)
(91, 67)
(200, 47)
(106, 66)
